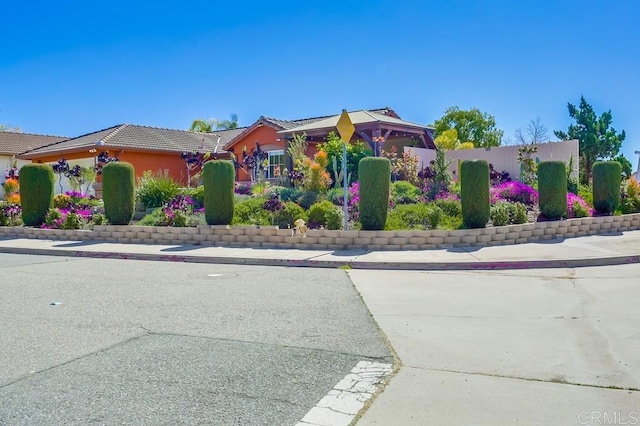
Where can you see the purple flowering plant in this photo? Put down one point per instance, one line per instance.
(10, 214)
(515, 192)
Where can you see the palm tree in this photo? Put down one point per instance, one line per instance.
(211, 124)
(202, 125)
(227, 124)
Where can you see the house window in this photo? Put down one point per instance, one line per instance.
(276, 160)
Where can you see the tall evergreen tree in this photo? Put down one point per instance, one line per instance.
(598, 140)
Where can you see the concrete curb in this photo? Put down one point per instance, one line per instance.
(353, 263)
(499, 265)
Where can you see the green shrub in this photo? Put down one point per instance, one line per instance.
(415, 216)
(474, 193)
(375, 179)
(219, 180)
(36, 192)
(285, 217)
(250, 212)
(335, 218)
(403, 192)
(579, 210)
(118, 192)
(72, 221)
(606, 185)
(552, 189)
(451, 206)
(290, 194)
(326, 214)
(630, 197)
(307, 199)
(586, 193)
(156, 189)
(508, 213)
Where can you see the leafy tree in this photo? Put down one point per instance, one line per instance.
(472, 126)
(626, 166)
(448, 140)
(597, 139)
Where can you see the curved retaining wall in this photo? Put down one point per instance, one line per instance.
(272, 237)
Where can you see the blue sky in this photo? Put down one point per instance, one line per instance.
(73, 67)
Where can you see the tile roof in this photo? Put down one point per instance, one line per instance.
(357, 117)
(129, 136)
(292, 124)
(13, 143)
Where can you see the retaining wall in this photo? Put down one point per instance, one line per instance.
(272, 237)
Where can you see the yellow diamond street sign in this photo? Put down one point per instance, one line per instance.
(345, 126)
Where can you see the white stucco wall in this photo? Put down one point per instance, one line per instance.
(503, 157)
(87, 162)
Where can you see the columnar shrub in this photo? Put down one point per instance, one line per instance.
(36, 192)
(118, 192)
(552, 189)
(218, 177)
(375, 178)
(606, 185)
(474, 193)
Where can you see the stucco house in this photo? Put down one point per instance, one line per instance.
(146, 148)
(380, 128)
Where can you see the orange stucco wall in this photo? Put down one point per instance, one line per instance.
(269, 140)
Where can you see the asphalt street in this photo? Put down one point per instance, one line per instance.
(109, 341)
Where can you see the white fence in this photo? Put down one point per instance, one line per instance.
(502, 157)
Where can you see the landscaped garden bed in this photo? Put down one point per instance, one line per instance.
(418, 209)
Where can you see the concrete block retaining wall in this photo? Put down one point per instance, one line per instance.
(272, 237)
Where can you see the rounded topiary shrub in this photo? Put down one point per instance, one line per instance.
(118, 192)
(36, 192)
(251, 212)
(474, 193)
(286, 216)
(607, 176)
(326, 214)
(218, 177)
(375, 179)
(552, 189)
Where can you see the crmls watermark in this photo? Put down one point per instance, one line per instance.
(609, 417)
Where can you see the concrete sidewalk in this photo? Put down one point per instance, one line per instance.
(598, 250)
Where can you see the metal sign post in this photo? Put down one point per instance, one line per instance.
(345, 129)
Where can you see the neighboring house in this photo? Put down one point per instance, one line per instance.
(146, 148)
(380, 128)
(14, 143)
